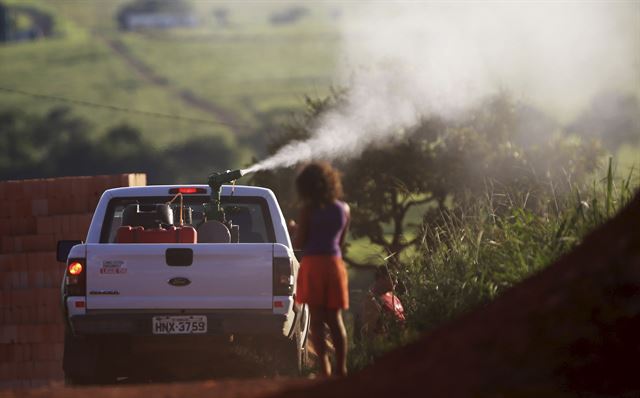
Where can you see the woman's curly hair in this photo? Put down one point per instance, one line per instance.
(319, 184)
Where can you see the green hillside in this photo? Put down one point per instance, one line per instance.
(242, 74)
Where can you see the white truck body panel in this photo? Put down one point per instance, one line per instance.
(222, 276)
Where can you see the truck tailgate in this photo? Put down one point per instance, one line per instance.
(138, 276)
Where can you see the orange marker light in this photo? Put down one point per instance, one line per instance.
(75, 268)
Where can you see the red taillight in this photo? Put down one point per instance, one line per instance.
(75, 281)
(79, 304)
(187, 190)
(75, 268)
(282, 276)
(278, 304)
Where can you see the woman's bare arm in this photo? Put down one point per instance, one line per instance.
(347, 213)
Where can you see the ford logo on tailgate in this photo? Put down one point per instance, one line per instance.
(179, 281)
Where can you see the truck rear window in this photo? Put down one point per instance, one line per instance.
(251, 214)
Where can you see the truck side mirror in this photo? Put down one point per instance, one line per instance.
(64, 247)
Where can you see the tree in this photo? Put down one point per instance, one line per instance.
(60, 144)
(440, 163)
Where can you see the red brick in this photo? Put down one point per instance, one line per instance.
(14, 280)
(23, 297)
(8, 245)
(35, 261)
(8, 371)
(10, 262)
(24, 333)
(92, 203)
(80, 204)
(4, 228)
(56, 224)
(63, 187)
(35, 243)
(56, 205)
(5, 280)
(44, 225)
(46, 370)
(6, 353)
(40, 189)
(21, 226)
(23, 370)
(39, 207)
(47, 296)
(80, 186)
(65, 223)
(28, 188)
(56, 332)
(47, 351)
(15, 189)
(20, 209)
(6, 316)
(8, 334)
(5, 299)
(84, 221)
(16, 352)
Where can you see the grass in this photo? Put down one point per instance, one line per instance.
(477, 251)
(248, 69)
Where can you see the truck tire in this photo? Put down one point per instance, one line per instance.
(288, 356)
(84, 361)
(291, 357)
(78, 360)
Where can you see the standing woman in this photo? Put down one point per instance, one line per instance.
(322, 279)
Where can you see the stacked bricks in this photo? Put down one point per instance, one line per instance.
(34, 215)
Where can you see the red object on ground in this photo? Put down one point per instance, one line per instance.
(127, 234)
(392, 304)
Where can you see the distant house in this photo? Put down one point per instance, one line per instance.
(136, 21)
(156, 14)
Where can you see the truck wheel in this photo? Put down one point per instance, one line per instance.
(83, 362)
(289, 355)
(78, 360)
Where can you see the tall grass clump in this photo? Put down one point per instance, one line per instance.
(474, 251)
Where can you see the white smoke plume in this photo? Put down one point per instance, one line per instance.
(404, 61)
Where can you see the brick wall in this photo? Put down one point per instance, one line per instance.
(34, 215)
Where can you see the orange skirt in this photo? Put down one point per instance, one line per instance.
(323, 282)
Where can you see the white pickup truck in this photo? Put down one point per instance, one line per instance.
(122, 295)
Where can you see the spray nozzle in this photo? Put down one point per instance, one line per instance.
(215, 182)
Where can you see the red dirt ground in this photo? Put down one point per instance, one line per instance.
(571, 330)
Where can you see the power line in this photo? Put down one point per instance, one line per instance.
(114, 108)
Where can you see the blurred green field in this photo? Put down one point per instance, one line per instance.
(249, 69)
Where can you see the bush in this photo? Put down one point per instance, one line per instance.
(476, 251)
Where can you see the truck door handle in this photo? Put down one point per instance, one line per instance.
(179, 257)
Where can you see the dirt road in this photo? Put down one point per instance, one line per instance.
(218, 389)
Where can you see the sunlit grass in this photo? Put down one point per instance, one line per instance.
(249, 69)
(477, 251)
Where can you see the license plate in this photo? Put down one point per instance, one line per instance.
(189, 324)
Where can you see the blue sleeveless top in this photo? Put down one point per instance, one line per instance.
(326, 225)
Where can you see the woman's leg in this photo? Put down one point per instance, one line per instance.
(339, 337)
(318, 319)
